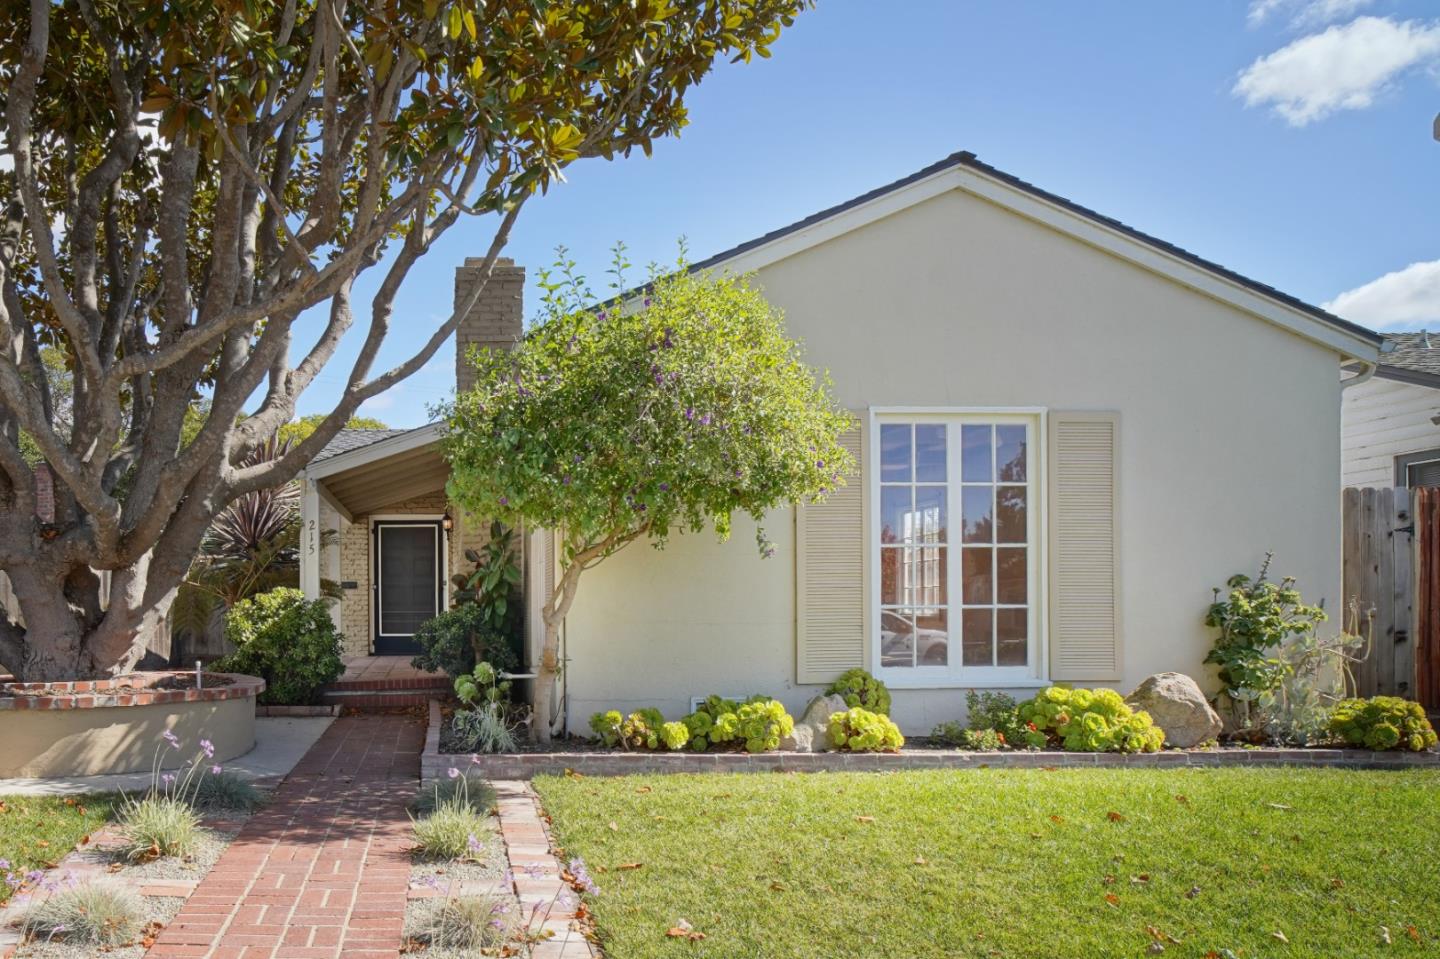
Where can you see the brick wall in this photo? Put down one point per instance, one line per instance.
(356, 561)
(498, 316)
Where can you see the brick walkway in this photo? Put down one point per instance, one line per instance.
(322, 870)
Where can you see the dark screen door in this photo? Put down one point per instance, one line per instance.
(408, 587)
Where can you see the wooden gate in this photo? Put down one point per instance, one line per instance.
(1392, 573)
(1427, 599)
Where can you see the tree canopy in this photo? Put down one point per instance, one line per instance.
(670, 410)
(188, 178)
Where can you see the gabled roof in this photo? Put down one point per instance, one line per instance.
(965, 171)
(353, 439)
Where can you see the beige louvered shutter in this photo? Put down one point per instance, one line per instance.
(830, 577)
(1085, 642)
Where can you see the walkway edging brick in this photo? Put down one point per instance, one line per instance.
(545, 896)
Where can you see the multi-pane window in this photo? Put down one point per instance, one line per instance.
(975, 613)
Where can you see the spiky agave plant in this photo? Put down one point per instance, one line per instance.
(253, 545)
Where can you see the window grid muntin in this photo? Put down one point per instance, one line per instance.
(1026, 426)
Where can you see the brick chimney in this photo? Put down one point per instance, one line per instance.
(497, 317)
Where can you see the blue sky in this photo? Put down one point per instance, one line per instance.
(1287, 139)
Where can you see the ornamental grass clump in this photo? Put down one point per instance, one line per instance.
(859, 688)
(1086, 720)
(164, 821)
(101, 914)
(472, 923)
(225, 792)
(449, 832)
(1383, 722)
(861, 731)
(475, 793)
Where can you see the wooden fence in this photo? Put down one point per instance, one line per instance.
(1392, 573)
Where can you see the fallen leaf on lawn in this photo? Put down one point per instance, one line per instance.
(1154, 949)
(864, 818)
(572, 774)
(1114, 816)
(69, 802)
(1057, 820)
(777, 886)
(3, 808)
(919, 860)
(85, 840)
(643, 789)
(629, 865)
(1278, 805)
(1413, 933)
(1277, 934)
(1385, 935)
(1295, 837)
(1112, 899)
(613, 827)
(43, 843)
(601, 869)
(1183, 800)
(680, 930)
(1108, 880)
(695, 936)
(1336, 883)
(1140, 880)
(1193, 892)
(1036, 835)
(1160, 934)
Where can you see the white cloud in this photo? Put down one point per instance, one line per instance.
(1305, 13)
(1405, 299)
(1342, 68)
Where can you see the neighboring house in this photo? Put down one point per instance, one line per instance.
(1391, 423)
(1068, 433)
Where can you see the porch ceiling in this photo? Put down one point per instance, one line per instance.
(370, 487)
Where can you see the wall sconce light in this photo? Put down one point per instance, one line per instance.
(447, 522)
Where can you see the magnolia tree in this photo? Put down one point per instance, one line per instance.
(669, 413)
(180, 182)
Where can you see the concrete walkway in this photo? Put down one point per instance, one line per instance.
(322, 871)
(279, 745)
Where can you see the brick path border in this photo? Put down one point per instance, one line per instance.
(545, 897)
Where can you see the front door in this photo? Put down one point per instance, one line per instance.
(409, 582)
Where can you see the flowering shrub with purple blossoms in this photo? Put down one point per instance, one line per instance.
(616, 423)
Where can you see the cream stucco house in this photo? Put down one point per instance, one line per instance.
(1391, 423)
(1068, 433)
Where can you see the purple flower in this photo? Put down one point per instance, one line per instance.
(565, 480)
(578, 869)
(4, 864)
(819, 464)
(171, 738)
(647, 301)
(689, 412)
(452, 772)
(473, 844)
(34, 875)
(664, 487)
(705, 420)
(168, 779)
(215, 770)
(209, 748)
(504, 501)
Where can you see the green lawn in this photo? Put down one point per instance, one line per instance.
(36, 831)
(1065, 863)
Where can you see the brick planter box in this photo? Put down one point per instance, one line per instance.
(98, 727)
(433, 763)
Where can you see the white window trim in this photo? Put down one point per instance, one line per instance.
(373, 543)
(956, 676)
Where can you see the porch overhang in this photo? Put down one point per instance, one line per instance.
(381, 474)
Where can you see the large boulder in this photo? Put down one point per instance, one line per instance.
(1177, 705)
(812, 729)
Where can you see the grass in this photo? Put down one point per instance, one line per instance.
(156, 825)
(1010, 863)
(451, 830)
(96, 913)
(37, 831)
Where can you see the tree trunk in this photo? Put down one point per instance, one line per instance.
(47, 613)
(545, 675)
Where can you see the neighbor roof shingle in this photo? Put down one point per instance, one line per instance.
(1417, 352)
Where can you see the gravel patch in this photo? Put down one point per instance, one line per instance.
(159, 909)
(490, 862)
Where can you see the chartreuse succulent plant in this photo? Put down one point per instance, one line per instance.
(758, 725)
(1088, 720)
(860, 730)
(859, 688)
(1382, 722)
